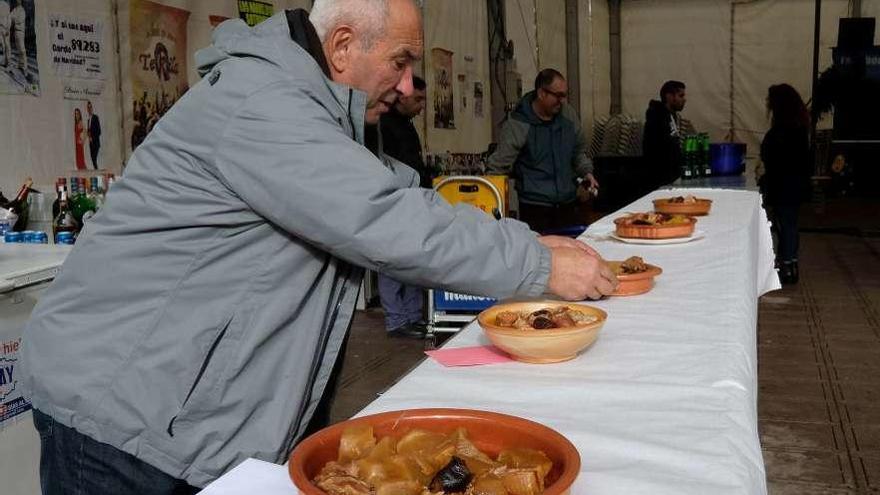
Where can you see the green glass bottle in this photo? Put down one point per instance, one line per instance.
(80, 204)
(707, 162)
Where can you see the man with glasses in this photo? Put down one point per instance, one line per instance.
(544, 148)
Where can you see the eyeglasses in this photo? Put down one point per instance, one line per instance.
(558, 94)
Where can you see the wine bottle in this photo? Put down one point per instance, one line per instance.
(19, 205)
(60, 184)
(64, 221)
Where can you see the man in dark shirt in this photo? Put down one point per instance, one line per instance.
(399, 137)
(403, 303)
(661, 143)
(94, 134)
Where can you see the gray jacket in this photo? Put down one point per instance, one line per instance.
(545, 159)
(198, 317)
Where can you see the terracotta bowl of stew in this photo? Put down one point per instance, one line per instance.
(697, 208)
(632, 284)
(623, 228)
(551, 345)
(489, 431)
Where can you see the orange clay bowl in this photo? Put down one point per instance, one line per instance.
(490, 432)
(552, 345)
(654, 231)
(632, 284)
(699, 208)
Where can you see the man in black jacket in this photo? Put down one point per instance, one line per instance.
(399, 137)
(403, 303)
(661, 143)
(94, 130)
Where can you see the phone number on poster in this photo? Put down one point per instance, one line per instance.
(85, 46)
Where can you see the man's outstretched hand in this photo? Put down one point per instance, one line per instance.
(577, 272)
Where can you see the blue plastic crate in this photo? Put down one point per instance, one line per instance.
(453, 301)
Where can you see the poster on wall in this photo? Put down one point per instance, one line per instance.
(19, 73)
(444, 113)
(254, 12)
(83, 129)
(158, 63)
(216, 20)
(478, 99)
(77, 46)
(12, 401)
(463, 91)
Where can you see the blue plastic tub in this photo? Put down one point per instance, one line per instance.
(571, 231)
(727, 158)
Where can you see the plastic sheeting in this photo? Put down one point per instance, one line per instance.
(595, 62)
(520, 25)
(469, 42)
(550, 16)
(690, 40)
(686, 40)
(537, 29)
(773, 43)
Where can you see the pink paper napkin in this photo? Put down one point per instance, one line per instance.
(469, 356)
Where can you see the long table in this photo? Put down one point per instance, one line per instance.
(664, 402)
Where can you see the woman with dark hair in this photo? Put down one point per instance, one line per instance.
(78, 139)
(785, 152)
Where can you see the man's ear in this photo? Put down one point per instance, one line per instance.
(338, 48)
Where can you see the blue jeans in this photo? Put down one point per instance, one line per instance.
(73, 464)
(402, 303)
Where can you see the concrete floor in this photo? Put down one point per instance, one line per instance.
(818, 359)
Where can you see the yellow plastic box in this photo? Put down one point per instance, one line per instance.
(470, 190)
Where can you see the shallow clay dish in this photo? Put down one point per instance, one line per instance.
(551, 345)
(632, 284)
(699, 208)
(490, 432)
(625, 229)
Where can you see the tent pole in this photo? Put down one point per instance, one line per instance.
(817, 19)
(498, 60)
(614, 39)
(572, 55)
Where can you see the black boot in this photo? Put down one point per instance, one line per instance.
(795, 275)
(788, 273)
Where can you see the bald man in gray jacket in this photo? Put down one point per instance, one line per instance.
(197, 320)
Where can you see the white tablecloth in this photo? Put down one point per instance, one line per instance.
(664, 402)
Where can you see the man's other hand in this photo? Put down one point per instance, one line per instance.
(592, 183)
